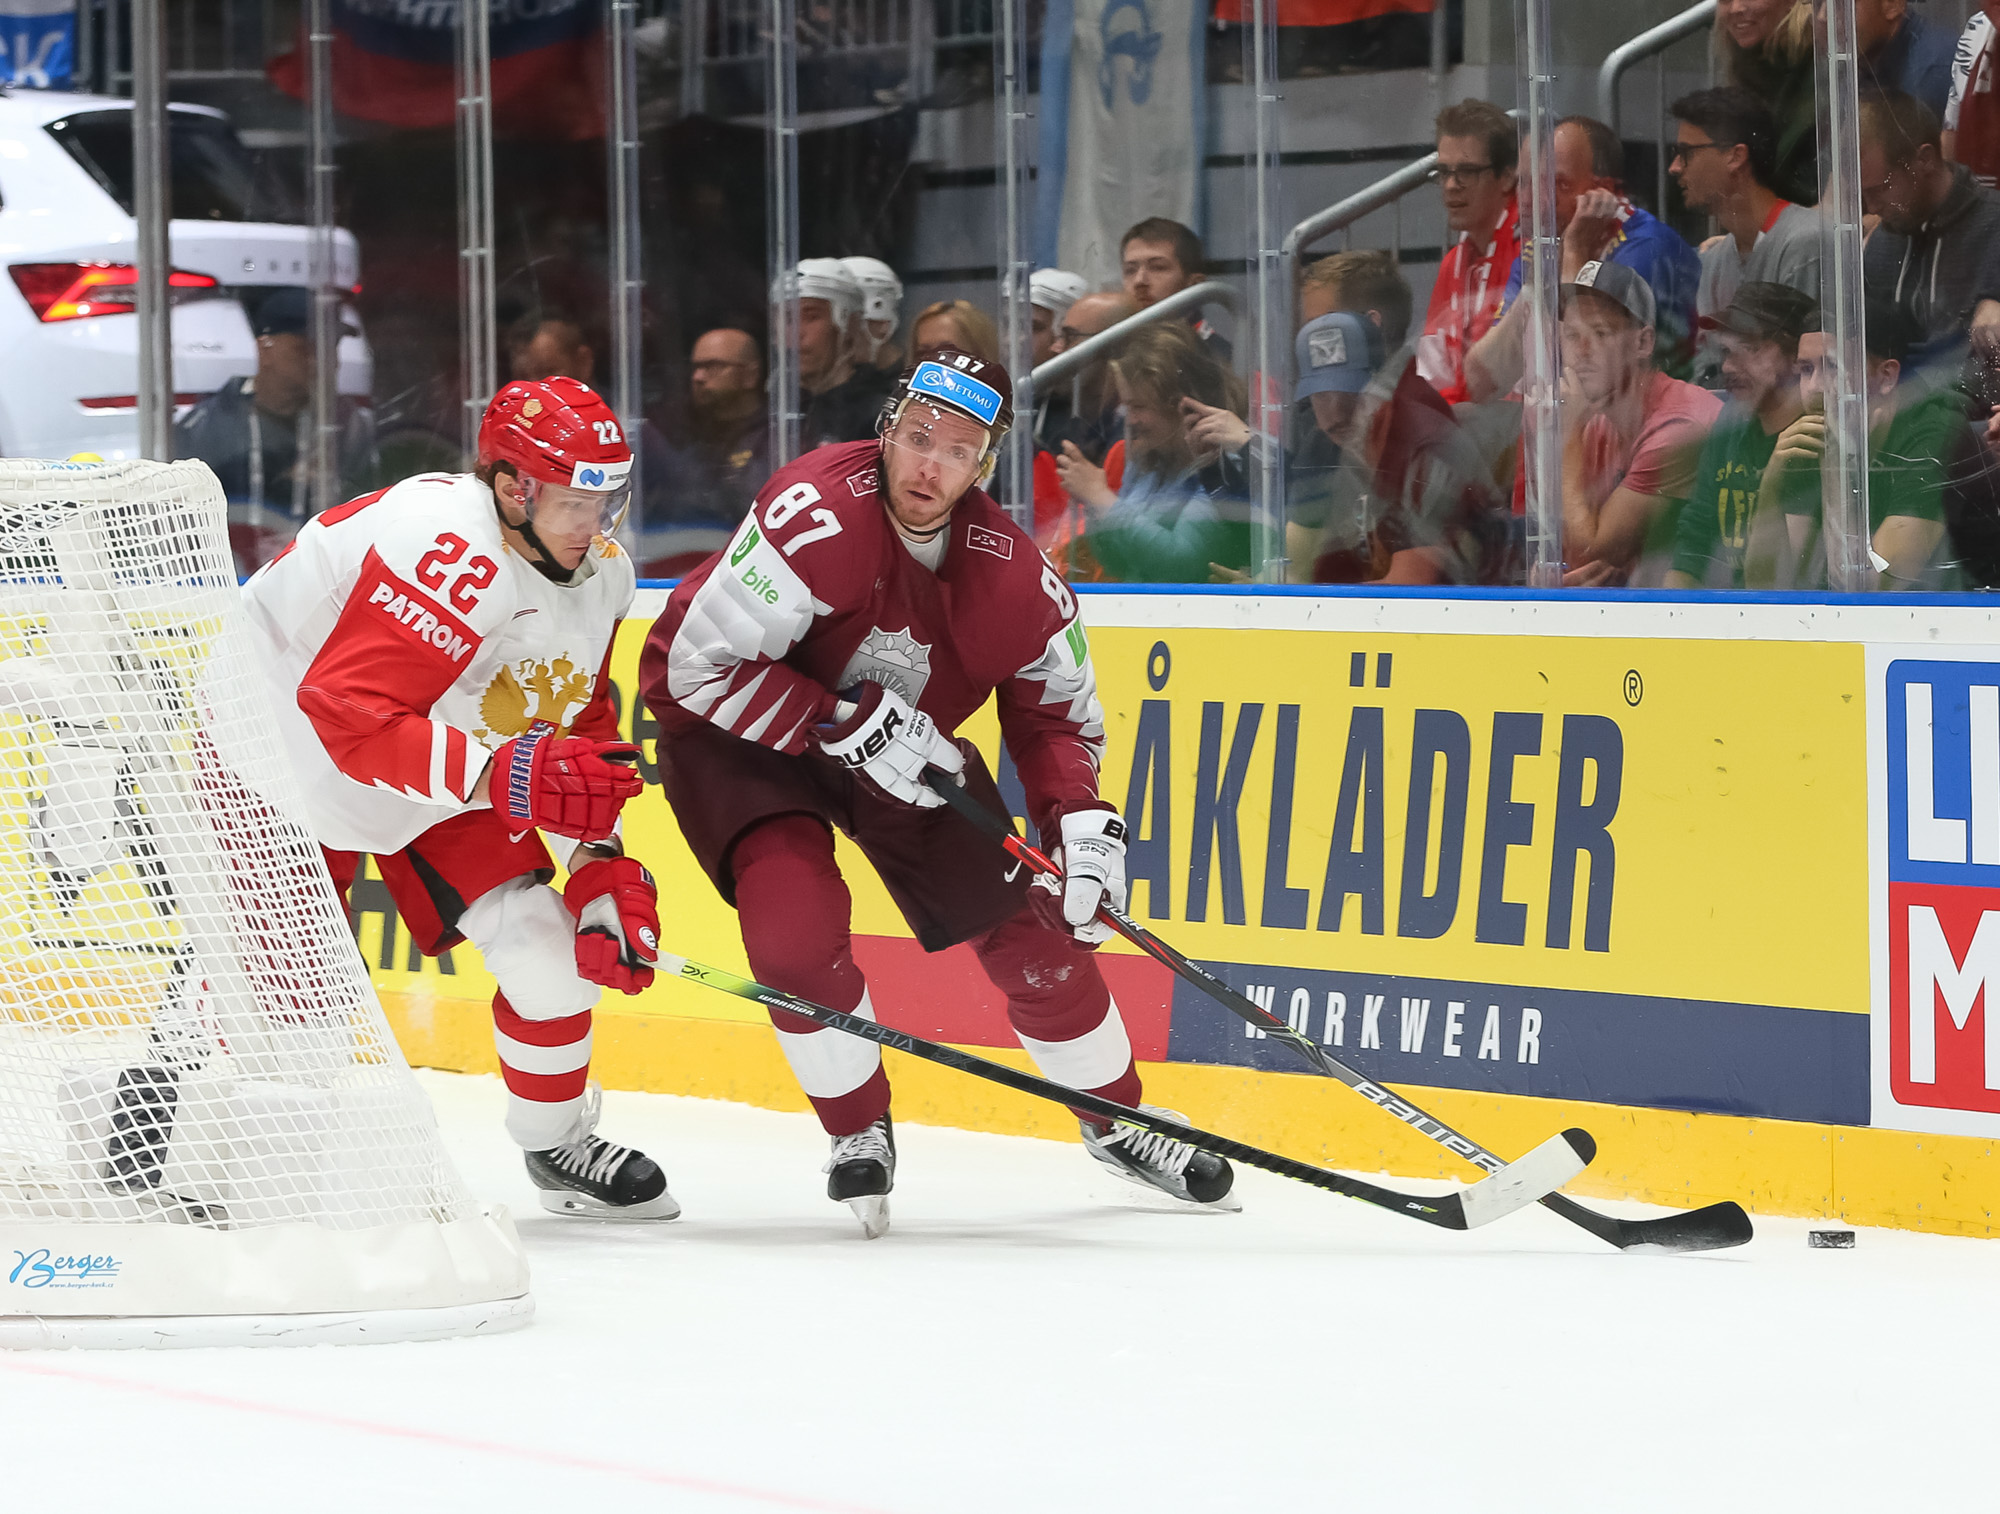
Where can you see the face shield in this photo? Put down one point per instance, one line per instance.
(593, 503)
(946, 452)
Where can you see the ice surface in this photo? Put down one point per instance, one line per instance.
(1029, 1338)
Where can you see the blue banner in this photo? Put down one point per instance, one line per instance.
(40, 41)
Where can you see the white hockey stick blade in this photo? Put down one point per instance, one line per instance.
(1529, 1179)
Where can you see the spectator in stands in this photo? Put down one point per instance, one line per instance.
(720, 457)
(1084, 408)
(842, 397)
(1766, 47)
(255, 433)
(1476, 150)
(1051, 291)
(1082, 411)
(881, 312)
(1902, 52)
(1161, 510)
(1723, 145)
(1159, 257)
(1937, 251)
(1631, 434)
(1599, 223)
(956, 323)
(545, 345)
(1759, 333)
(1917, 439)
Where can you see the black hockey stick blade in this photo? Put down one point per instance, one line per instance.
(1711, 1229)
(1716, 1227)
(1513, 1187)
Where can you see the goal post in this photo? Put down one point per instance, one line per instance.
(207, 1132)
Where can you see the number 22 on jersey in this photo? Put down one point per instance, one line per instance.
(467, 579)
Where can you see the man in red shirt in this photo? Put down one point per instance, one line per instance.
(809, 675)
(1631, 435)
(1476, 153)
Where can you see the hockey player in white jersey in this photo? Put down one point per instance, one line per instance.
(438, 653)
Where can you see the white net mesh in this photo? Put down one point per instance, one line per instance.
(187, 1032)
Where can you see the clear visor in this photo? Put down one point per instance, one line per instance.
(559, 510)
(947, 450)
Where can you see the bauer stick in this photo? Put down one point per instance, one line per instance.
(1709, 1229)
(1513, 1186)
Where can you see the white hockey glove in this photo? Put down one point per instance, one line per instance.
(880, 738)
(1092, 858)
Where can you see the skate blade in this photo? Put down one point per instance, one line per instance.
(580, 1206)
(872, 1209)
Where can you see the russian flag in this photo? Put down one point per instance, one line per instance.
(394, 62)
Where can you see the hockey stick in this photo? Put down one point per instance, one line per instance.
(1709, 1229)
(1512, 1187)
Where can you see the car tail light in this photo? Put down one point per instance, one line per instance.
(75, 291)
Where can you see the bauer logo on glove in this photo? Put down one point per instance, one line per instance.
(879, 737)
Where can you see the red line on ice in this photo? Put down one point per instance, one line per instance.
(440, 1438)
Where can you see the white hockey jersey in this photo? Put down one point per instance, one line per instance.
(403, 641)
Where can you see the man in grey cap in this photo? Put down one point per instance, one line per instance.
(1631, 434)
(255, 433)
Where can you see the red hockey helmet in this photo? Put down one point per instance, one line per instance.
(948, 379)
(559, 434)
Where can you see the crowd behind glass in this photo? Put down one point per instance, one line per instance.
(1694, 373)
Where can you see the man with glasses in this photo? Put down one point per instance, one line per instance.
(1725, 158)
(438, 659)
(1476, 151)
(810, 675)
(720, 448)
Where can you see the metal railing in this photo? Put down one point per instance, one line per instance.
(1652, 44)
(1184, 302)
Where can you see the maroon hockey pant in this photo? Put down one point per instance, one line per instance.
(796, 911)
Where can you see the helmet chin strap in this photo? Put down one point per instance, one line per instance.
(544, 561)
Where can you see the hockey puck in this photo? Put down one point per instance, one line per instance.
(1830, 1240)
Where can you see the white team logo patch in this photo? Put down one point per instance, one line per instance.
(894, 659)
(1327, 348)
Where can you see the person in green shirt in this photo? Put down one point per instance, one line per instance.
(1916, 436)
(1759, 331)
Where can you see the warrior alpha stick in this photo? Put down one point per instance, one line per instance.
(1709, 1229)
(1511, 1187)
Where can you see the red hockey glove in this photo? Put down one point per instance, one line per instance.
(617, 909)
(568, 785)
(879, 737)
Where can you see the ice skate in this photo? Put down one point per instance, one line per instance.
(594, 1179)
(861, 1172)
(1175, 1168)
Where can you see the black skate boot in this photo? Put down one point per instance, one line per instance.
(594, 1179)
(861, 1172)
(1175, 1168)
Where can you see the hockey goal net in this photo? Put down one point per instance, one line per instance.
(206, 1129)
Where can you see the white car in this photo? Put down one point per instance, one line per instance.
(68, 241)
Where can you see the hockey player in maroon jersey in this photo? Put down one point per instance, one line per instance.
(438, 656)
(806, 676)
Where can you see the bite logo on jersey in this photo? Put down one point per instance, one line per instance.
(746, 546)
(894, 659)
(409, 610)
(1942, 745)
(980, 539)
(547, 693)
(980, 400)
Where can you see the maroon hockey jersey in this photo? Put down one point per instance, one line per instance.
(817, 592)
